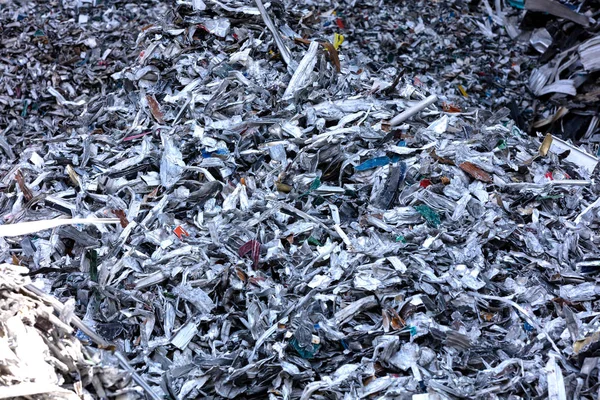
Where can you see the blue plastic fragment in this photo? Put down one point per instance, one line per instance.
(82, 336)
(373, 163)
(520, 4)
(218, 152)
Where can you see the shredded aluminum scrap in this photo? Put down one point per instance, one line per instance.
(300, 200)
(43, 365)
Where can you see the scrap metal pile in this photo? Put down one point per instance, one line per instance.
(292, 200)
(566, 77)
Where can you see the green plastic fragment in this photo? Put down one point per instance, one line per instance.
(93, 257)
(39, 33)
(400, 238)
(319, 200)
(501, 144)
(313, 240)
(315, 185)
(25, 105)
(305, 353)
(551, 197)
(432, 217)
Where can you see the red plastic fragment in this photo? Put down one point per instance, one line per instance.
(179, 231)
(251, 246)
(424, 183)
(476, 172)
(122, 217)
